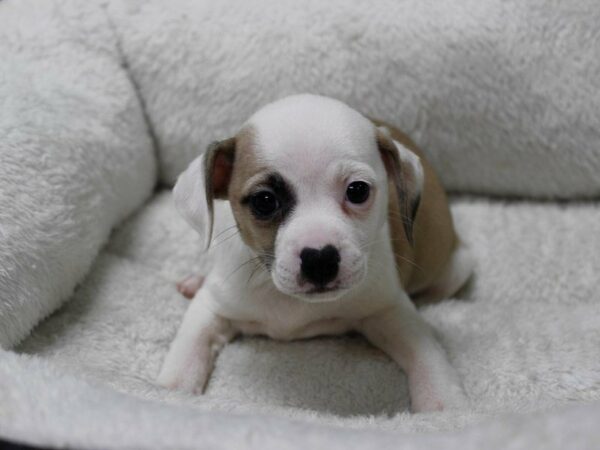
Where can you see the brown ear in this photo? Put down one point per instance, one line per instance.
(205, 179)
(406, 172)
(219, 158)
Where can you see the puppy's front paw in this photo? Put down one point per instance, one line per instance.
(190, 285)
(425, 397)
(189, 378)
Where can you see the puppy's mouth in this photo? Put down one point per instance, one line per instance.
(313, 294)
(321, 294)
(322, 290)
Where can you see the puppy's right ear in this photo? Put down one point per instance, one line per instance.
(206, 178)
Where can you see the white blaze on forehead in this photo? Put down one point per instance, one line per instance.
(309, 132)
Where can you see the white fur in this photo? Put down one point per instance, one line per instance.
(190, 197)
(319, 146)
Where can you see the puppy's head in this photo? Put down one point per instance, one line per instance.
(307, 179)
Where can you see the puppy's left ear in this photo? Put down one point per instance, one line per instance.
(207, 178)
(406, 172)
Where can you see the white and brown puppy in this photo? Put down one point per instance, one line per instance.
(340, 219)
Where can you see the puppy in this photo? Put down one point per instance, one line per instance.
(340, 219)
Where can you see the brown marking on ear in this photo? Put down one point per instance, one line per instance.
(220, 157)
(218, 166)
(407, 192)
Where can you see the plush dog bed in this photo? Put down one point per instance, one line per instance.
(104, 103)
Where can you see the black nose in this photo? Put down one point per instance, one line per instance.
(320, 266)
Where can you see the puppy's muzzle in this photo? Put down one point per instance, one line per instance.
(320, 266)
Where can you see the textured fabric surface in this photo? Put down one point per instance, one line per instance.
(523, 335)
(50, 408)
(75, 155)
(504, 97)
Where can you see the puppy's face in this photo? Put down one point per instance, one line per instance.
(307, 180)
(309, 206)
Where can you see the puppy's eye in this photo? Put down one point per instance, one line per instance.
(264, 204)
(358, 192)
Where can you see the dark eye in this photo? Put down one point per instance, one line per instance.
(264, 204)
(358, 192)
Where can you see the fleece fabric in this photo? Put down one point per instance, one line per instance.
(102, 100)
(504, 96)
(75, 154)
(523, 336)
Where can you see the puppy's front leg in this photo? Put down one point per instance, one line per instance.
(190, 358)
(402, 333)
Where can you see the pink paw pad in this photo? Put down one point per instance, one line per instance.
(190, 285)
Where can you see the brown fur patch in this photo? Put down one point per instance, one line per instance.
(419, 266)
(258, 235)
